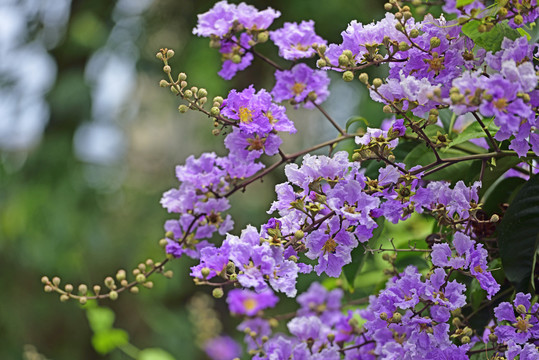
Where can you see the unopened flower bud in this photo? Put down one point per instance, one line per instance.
(343, 60)
(493, 337)
(170, 53)
(64, 297)
(348, 54)
(377, 83)
(494, 218)
(482, 28)
(174, 90)
(321, 63)
(236, 59)
(434, 42)
(399, 27)
(188, 94)
(134, 290)
(407, 15)
(113, 295)
(140, 278)
(521, 309)
(215, 132)
(83, 289)
(331, 337)
(502, 12)
(109, 282)
(217, 293)
(298, 235)
(465, 339)
(163, 83)
(167, 69)
(159, 55)
(414, 33)
(322, 48)
(56, 281)
(312, 96)
(68, 288)
(456, 322)
(82, 300)
(403, 46)
(518, 19)
(168, 274)
(47, 288)
(364, 78)
(163, 242)
(398, 15)
(205, 272)
(262, 37)
(45, 280)
(97, 289)
(348, 76)
(202, 93)
(383, 316)
(396, 318)
(388, 6)
(182, 109)
(148, 284)
(387, 109)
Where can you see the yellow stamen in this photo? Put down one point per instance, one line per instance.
(298, 88)
(245, 115)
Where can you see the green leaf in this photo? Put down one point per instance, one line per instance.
(523, 32)
(474, 131)
(355, 119)
(489, 40)
(461, 3)
(352, 270)
(493, 173)
(518, 235)
(477, 294)
(100, 318)
(108, 340)
(154, 354)
(501, 193)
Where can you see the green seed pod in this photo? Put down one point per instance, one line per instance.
(218, 293)
(348, 76)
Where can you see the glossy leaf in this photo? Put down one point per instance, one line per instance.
(518, 235)
(490, 40)
(474, 131)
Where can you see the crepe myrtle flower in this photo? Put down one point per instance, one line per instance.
(246, 302)
(295, 40)
(256, 112)
(250, 146)
(218, 21)
(235, 55)
(222, 348)
(301, 84)
(519, 320)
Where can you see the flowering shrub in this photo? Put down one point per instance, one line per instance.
(477, 68)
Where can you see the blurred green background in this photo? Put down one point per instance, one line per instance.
(89, 142)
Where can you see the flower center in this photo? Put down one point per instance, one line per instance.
(522, 325)
(249, 304)
(256, 143)
(330, 246)
(500, 104)
(245, 115)
(298, 88)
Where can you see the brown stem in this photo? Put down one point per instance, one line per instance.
(492, 141)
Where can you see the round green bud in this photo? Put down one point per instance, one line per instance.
(467, 331)
(434, 42)
(406, 8)
(322, 48)
(163, 242)
(109, 282)
(202, 93)
(391, 158)
(432, 119)
(262, 37)
(502, 12)
(386, 257)
(45, 280)
(82, 300)
(403, 46)
(83, 289)
(388, 7)
(364, 78)
(134, 290)
(188, 93)
(217, 293)
(167, 69)
(273, 322)
(56, 281)
(383, 316)
(456, 322)
(140, 278)
(264, 339)
(182, 76)
(343, 60)
(399, 27)
(455, 98)
(414, 33)
(494, 218)
(47, 288)
(407, 15)
(64, 297)
(356, 156)
(215, 132)
(97, 289)
(68, 288)
(519, 19)
(298, 235)
(113, 295)
(148, 284)
(348, 76)
(168, 274)
(387, 109)
(377, 83)
(121, 275)
(163, 83)
(136, 272)
(159, 55)
(521, 309)
(170, 53)
(218, 99)
(416, 2)
(236, 59)
(183, 84)
(174, 90)
(482, 28)
(215, 111)
(398, 15)
(465, 339)
(348, 54)
(321, 63)
(183, 109)
(312, 96)
(205, 272)
(396, 318)
(493, 337)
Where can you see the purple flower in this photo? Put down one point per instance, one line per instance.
(319, 301)
(217, 21)
(229, 48)
(252, 146)
(222, 348)
(295, 41)
(256, 112)
(521, 327)
(252, 19)
(248, 302)
(298, 83)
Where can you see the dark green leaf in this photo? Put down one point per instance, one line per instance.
(474, 131)
(356, 119)
(477, 294)
(501, 193)
(352, 270)
(106, 341)
(518, 235)
(492, 173)
(490, 40)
